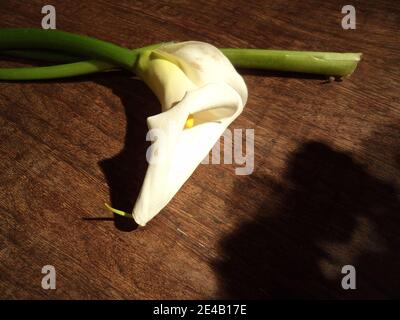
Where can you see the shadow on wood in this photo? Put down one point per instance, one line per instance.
(331, 213)
(125, 171)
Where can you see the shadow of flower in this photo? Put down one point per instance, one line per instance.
(125, 171)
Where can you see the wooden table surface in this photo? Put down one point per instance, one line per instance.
(324, 192)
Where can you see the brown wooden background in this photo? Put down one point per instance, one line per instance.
(324, 193)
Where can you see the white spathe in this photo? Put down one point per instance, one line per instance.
(189, 78)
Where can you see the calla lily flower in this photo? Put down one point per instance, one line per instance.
(200, 94)
(198, 88)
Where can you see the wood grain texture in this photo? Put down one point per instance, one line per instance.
(324, 193)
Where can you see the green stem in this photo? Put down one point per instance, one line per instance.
(325, 63)
(70, 43)
(55, 72)
(48, 56)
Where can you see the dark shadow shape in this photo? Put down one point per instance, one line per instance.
(125, 171)
(322, 201)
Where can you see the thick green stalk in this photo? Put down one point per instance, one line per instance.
(55, 72)
(41, 55)
(325, 63)
(68, 42)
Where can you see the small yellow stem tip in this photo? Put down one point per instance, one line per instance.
(119, 212)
